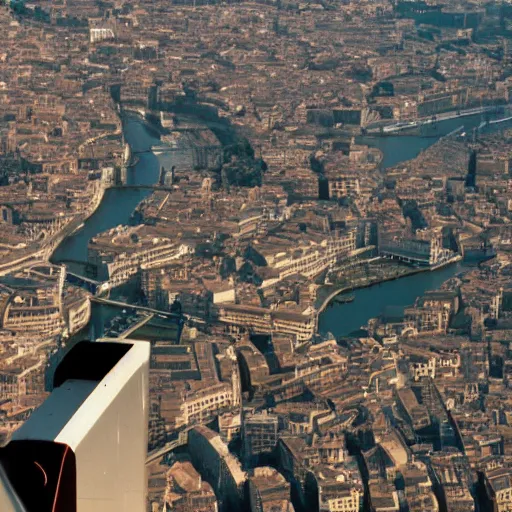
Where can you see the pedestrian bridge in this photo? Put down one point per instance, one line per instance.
(167, 314)
(89, 284)
(143, 187)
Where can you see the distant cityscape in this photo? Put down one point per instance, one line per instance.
(304, 208)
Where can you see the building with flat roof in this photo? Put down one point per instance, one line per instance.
(214, 462)
(186, 491)
(336, 492)
(269, 491)
(422, 252)
(259, 436)
(498, 488)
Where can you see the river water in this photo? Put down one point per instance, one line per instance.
(343, 319)
(116, 208)
(118, 204)
(339, 319)
(399, 148)
(388, 297)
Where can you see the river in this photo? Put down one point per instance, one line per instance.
(339, 319)
(343, 319)
(391, 296)
(116, 208)
(118, 204)
(399, 148)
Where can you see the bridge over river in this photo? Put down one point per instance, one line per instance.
(166, 314)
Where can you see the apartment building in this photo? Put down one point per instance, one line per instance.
(432, 312)
(415, 413)
(44, 320)
(318, 378)
(269, 491)
(222, 470)
(186, 491)
(344, 186)
(202, 405)
(76, 310)
(451, 480)
(310, 260)
(99, 34)
(498, 488)
(447, 364)
(428, 252)
(259, 436)
(260, 320)
(335, 492)
(120, 253)
(24, 377)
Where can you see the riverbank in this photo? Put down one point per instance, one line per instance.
(44, 252)
(117, 204)
(398, 128)
(398, 148)
(370, 301)
(127, 114)
(409, 272)
(78, 222)
(389, 296)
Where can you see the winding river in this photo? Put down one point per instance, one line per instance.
(392, 296)
(118, 204)
(339, 319)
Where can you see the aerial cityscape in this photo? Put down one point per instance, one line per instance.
(304, 207)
